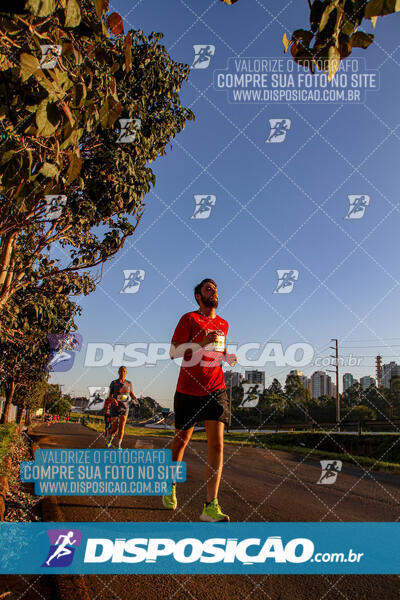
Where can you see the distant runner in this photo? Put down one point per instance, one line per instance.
(120, 390)
(200, 338)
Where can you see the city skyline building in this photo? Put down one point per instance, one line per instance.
(255, 377)
(348, 381)
(389, 370)
(321, 384)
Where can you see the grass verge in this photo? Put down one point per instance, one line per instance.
(6, 433)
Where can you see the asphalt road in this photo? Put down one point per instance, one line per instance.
(258, 485)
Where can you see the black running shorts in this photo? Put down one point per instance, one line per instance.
(192, 409)
(121, 409)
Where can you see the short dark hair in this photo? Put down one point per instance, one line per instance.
(197, 289)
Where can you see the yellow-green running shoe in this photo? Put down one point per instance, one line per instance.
(212, 512)
(170, 500)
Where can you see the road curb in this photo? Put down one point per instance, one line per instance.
(66, 586)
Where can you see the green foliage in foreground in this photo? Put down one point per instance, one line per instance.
(334, 31)
(6, 433)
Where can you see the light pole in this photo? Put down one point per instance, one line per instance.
(230, 402)
(336, 357)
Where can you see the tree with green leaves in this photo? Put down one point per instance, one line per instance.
(275, 388)
(360, 413)
(29, 397)
(84, 110)
(334, 31)
(35, 312)
(379, 400)
(60, 405)
(353, 395)
(298, 398)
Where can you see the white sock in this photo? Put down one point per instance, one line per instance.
(119, 442)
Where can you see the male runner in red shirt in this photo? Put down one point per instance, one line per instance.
(200, 339)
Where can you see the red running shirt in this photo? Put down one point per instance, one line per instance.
(203, 373)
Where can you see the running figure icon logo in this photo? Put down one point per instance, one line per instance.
(133, 280)
(330, 470)
(54, 206)
(63, 543)
(278, 130)
(251, 395)
(49, 56)
(128, 130)
(62, 350)
(204, 204)
(202, 55)
(357, 206)
(286, 280)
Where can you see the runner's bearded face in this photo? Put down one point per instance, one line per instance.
(209, 295)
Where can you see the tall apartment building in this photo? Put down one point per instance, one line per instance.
(321, 384)
(389, 370)
(255, 377)
(366, 381)
(348, 381)
(236, 378)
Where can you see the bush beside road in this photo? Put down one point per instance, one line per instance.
(6, 433)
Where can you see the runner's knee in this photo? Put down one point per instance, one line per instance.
(216, 446)
(181, 439)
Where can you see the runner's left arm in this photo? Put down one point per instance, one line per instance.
(132, 395)
(231, 359)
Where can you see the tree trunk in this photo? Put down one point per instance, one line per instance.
(28, 417)
(9, 389)
(6, 269)
(20, 412)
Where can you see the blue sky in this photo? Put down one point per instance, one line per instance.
(278, 206)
